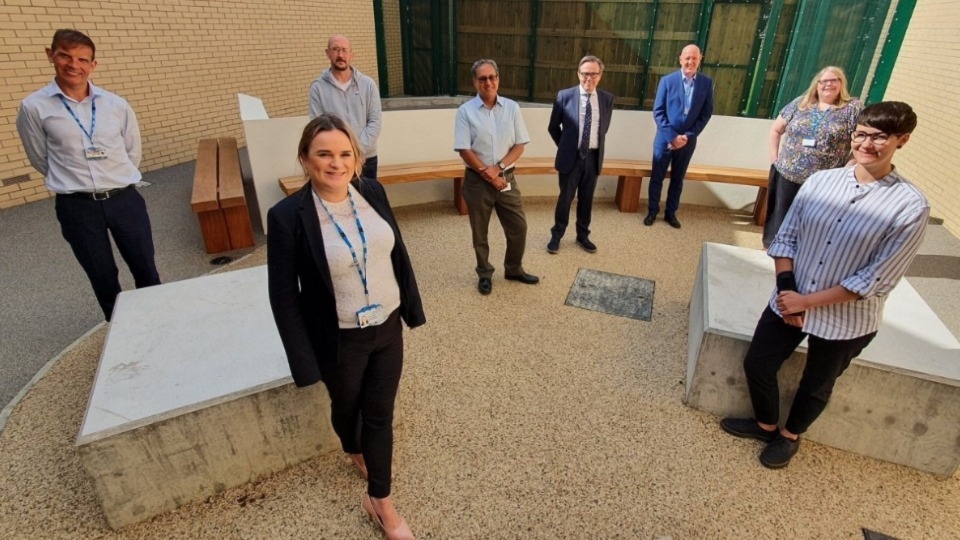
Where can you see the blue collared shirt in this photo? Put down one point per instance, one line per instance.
(489, 133)
(860, 236)
(56, 145)
(688, 85)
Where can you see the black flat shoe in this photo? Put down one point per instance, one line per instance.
(529, 279)
(648, 221)
(485, 286)
(747, 428)
(587, 245)
(673, 221)
(778, 454)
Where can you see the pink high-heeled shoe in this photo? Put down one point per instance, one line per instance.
(357, 460)
(401, 532)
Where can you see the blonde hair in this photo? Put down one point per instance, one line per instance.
(329, 122)
(811, 97)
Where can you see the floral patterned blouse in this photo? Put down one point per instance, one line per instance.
(830, 128)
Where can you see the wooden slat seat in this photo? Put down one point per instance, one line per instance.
(218, 198)
(630, 174)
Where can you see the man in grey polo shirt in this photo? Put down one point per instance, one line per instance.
(343, 91)
(490, 136)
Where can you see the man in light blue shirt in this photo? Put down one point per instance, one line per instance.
(86, 143)
(490, 136)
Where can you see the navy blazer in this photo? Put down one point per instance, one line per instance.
(564, 126)
(668, 107)
(301, 290)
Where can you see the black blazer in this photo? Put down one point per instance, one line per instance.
(301, 290)
(564, 126)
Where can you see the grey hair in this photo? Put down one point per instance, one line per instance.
(480, 62)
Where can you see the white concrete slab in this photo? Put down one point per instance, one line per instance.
(183, 346)
(911, 338)
(898, 401)
(193, 396)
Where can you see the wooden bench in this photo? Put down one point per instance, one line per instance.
(218, 198)
(630, 174)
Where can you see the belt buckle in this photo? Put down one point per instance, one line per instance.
(101, 196)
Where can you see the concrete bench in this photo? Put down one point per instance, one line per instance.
(629, 172)
(193, 396)
(899, 401)
(218, 198)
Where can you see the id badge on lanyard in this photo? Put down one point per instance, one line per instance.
(92, 152)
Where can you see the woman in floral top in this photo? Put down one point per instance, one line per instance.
(817, 126)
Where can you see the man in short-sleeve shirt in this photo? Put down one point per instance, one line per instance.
(490, 136)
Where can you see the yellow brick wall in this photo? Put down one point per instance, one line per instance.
(927, 76)
(391, 24)
(180, 64)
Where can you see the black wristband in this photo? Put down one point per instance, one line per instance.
(786, 281)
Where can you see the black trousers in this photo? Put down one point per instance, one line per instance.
(780, 195)
(370, 168)
(580, 182)
(87, 226)
(363, 387)
(773, 343)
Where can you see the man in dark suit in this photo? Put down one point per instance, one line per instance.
(578, 124)
(682, 109)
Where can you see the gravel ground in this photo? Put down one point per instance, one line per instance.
(519, 417)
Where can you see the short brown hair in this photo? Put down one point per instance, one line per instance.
(68, 38)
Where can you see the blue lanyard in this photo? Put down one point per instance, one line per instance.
(818, 117)
(93, 116)
(363, 240)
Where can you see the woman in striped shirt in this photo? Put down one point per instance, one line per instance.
(843, 246)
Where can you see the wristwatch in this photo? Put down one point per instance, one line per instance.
(501, 165)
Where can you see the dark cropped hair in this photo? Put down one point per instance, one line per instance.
(591, 58)
(68, 38)
(328, 122)
(890, 117)
(476, 65)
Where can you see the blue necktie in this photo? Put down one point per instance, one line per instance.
(585, 137)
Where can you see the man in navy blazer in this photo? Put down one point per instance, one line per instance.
(578, 124)
(682, 109)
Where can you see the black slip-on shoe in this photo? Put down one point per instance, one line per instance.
(673, 221)
(587, 245)
(529, 279)
(778, 454)
(747, 428)
(648, 221)
(553, 246)
(485, 286)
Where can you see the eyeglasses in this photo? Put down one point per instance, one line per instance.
(878, 139)
(589, 75)
(824, 82)
(487, 78)
(338, 50)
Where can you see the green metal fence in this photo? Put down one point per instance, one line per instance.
(760, 53)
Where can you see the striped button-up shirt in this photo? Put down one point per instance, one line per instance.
(860, 236)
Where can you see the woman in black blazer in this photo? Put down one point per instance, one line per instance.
(340, 281)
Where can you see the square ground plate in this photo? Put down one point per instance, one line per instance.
(624, 296)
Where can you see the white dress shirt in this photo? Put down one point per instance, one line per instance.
(56, 145)
(594, 117)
